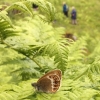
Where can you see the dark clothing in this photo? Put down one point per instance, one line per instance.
(65, 10)
(73, 14)
(34, 6)
(66, 13)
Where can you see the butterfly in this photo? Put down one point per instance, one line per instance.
(49, 83)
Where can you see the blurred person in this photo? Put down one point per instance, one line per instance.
(35, 6)
(65, 9)
(74, 15)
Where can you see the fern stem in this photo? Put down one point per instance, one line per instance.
(6, 44)
(81, 75)
(36, 62)
(24, 55)
(1, 39)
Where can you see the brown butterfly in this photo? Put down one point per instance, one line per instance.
(50, 82)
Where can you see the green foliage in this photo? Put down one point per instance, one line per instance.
(48, 9)
(37, 47)
(58, 51)
(45, 8)
(15, 92)
(6, 29)
(24, 6)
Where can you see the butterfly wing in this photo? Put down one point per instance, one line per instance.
(54, 72)
(50, 82)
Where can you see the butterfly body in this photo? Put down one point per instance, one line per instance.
(49, 83)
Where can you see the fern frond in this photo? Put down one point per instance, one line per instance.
(9, 55)
(17, 64)
(3, 16)
(6, 79)
(6, 27)
(16, 92)
(76, 49)
(95, 68)
(59, 51)
(46, 8)
(94, 71)
(24, 6)
(56, 49)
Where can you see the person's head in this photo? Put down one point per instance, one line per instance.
(64, 3)
(73, 8)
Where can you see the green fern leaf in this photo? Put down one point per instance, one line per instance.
(6, 96)
(59, 52)
(3, 15)
(23, 6)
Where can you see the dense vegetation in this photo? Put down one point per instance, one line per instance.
(32, 43)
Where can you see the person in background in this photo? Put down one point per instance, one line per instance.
(65, 9)
(74, 15)
(35, 6)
